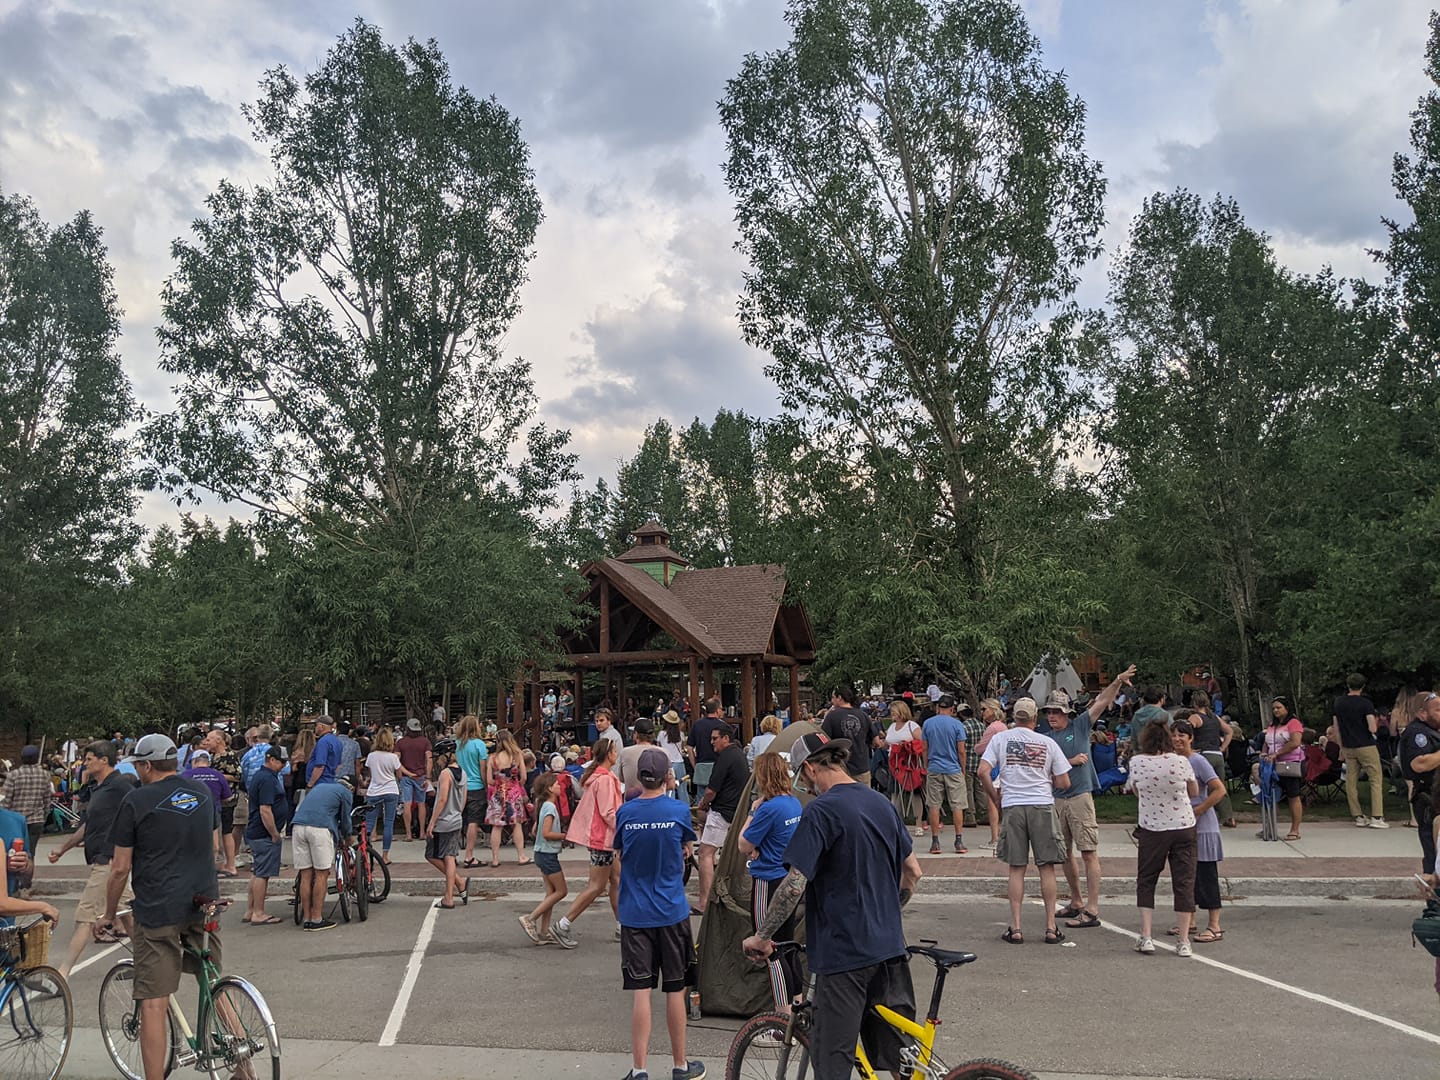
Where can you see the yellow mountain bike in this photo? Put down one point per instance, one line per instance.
(773, 1046)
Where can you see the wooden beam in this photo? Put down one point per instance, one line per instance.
(604, 616)
(794, 690)
(779, 660)
(659, 616)
(642, 656)
(747, 698)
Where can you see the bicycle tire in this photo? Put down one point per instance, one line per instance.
(256, 1031)
(379, 878)
(299, 913)
(120, 1023)
(752, 1060)
(359, 886)
(988, 1069)
(342, 889)
(36, 1023)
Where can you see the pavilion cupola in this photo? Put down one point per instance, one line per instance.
(652, 553)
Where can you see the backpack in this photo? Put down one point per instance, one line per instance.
(907, 765)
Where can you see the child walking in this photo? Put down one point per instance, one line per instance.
(548, 840)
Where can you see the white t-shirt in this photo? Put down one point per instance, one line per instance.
(674, 751)
(1028, 762)
(895, 735)
(758, 746)
(382, 765)
(1161, 781)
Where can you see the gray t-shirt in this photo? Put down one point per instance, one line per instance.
(1075, 739)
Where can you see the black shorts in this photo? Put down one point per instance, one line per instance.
(843, 1007)
(474, 812)
(1291, 787)
(661, 956)
(227, 818)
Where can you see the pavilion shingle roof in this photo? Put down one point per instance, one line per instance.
(641, 585)
(736, 604)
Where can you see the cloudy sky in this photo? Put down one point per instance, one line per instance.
(131, 108)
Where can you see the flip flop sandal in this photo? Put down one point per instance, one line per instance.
(269, 920)
(1054, 937)
(1087, 920)
(1013, 936)
(1174, 931)
(1206, 936)
(1291, 837)
(1069, 912)
(470, 864)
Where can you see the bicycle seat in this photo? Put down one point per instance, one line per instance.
(945, 958)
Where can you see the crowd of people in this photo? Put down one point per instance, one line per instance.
(646, 799)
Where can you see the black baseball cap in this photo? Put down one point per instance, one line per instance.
(822, 749)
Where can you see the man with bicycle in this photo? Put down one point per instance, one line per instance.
(165, 834)
(322, 822)
(851, 859)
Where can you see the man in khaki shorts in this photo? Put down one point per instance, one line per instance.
(111, 787)
(166, 834)
(1031, 770)
(1075, 806)
(944, 737)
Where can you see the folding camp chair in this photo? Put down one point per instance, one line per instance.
(1269, 796)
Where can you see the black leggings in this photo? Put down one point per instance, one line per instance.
(1207, 886)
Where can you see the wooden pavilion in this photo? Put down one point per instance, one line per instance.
(652, 610)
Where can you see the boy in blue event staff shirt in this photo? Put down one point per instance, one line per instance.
(653, 835)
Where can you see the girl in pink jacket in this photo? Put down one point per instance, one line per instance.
(593, 827)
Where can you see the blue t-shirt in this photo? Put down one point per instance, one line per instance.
(771, 827)
(548, 810)
(328, 807)
(472, 755)
(650, 837)
(1075, 739)
(850, 845)
(942, 733)
(267, 789)
(327, 754)
(12, 828)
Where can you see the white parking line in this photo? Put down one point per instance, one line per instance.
(96, 958)
(1353, 1010)
(412, 974)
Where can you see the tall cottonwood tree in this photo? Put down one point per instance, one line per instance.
(336, 336)
(67, 480)
(915, 201)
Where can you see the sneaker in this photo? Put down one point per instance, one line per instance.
(531, 931)
(1378, 823)
(694, 1070)
(636, 1074)
(564, 936)
(960, 848)
(1361, 822)
(323, 924)
(771, 1039)
(1183, 949)
(935, 846)
(1145, 945)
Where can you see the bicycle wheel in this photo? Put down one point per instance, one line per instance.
(359, 887)
(759, 1051)
(299, 908)
(237, 1033)
(342, 887)
(988, 1069)
(379, 878)
(35, 1024)
(120, 1023)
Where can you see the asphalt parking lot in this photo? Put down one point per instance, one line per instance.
(1297, 989)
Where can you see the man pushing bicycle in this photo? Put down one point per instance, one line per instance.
(165, 834)
(851, 860)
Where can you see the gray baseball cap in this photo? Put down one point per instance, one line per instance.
(154, 748)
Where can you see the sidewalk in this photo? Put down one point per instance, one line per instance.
(1333, 857)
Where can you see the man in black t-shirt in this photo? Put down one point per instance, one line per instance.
(718, 804)
(165, 836)
(1353, 722)
(701, 750)
(845, 721)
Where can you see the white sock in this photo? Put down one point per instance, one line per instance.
(564, 922)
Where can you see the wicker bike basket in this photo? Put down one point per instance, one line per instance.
(29, 948)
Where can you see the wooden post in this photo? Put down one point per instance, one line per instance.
(694, 689)
(604, 617)
(709, 679)
(517, 700)
(794, 690)
(577, 710)
(535, 722)
(747, 698)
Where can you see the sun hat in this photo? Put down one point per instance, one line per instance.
(1059, 701)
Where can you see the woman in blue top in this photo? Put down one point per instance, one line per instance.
(763, 839)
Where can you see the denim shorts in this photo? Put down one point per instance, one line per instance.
(412, 791)
(548, 862)
(266, 854)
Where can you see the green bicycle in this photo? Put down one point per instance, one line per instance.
(235, 1034)
(36, 1013)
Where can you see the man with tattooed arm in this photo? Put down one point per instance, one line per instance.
(851, 860)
